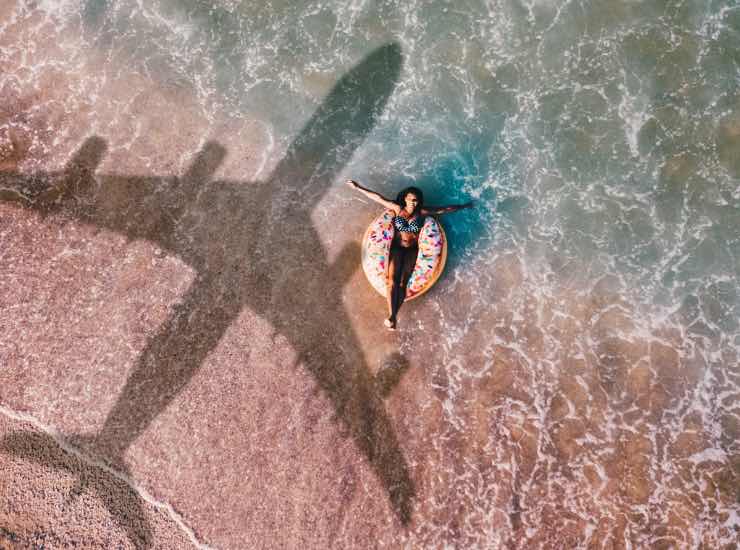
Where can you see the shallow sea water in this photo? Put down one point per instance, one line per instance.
(581, 353)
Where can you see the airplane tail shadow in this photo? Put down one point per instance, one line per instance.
(123, 504)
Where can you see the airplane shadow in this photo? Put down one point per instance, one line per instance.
(251, 244)
(122, 502)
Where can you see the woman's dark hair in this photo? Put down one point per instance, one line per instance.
(401, 198)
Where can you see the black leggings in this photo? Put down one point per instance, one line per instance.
(401, 264)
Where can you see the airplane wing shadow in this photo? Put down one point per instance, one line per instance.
(247, 251)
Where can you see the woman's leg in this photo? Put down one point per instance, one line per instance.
(395, 265)
(409, 263)
(400, 269)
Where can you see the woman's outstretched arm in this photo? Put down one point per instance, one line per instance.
(377, 197)
(431, 210)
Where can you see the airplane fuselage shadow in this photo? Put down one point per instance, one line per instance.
(247, 250)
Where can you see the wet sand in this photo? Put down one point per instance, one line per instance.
(507, 441)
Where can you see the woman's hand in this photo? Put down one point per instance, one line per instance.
(351, 183)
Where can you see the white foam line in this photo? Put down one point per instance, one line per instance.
(143, 493)
(266, 152)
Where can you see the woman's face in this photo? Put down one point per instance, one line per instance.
(411, 201)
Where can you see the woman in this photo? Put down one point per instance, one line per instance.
(409, 213)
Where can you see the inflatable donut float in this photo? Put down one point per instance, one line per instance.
(430, 262)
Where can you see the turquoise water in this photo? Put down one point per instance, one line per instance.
(560, 118)
(600, 142)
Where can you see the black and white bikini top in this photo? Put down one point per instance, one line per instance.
(405, 226)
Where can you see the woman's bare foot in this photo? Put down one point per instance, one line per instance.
(390, 324)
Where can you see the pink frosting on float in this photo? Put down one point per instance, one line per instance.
(429, 263)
